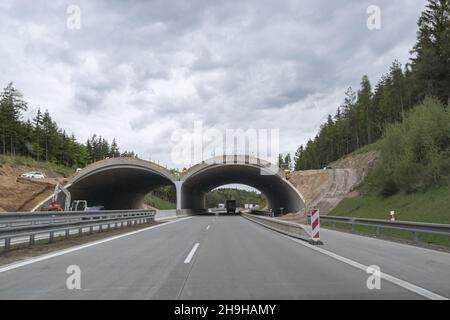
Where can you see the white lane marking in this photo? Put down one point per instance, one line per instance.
(91, 244)
(191, 254)
(401, 283)
(207, 228)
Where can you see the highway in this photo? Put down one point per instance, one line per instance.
(229, 257)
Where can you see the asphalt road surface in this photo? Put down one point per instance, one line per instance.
(230, 257)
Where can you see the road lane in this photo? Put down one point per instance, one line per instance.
(132, 267)
(234, 259)
(424, 267)
(243, 260)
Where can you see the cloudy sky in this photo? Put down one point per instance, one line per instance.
(139, 70)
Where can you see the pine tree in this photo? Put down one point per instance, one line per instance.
(298, 158)
(280, 161)
(287, 162)
(364, 102)
(431, 60)
(114, 152)
(11, 107)
(37, 127)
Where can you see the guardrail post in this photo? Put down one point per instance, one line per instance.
(32, 239)
(80, 231)
(415, 237)
(378, 235)
(7, 244)
(51, 236)
(67, 233)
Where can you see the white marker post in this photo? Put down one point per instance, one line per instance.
(392, 215)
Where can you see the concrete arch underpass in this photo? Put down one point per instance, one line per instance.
(122, 183)
(119, 183)
(208, 175)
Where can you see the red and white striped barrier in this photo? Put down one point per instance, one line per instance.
(315, 226)
(392, 215)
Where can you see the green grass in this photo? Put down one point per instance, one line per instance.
(430, 206)
(42, 165)
(159, 203)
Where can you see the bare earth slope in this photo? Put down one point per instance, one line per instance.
(324, 189)
(18, 194)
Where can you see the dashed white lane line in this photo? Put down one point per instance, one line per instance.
(191, 254)
(401, 283)
(207, 228)
(61, 252)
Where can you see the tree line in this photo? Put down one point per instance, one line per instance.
(242, 197)
(365, 114)
(42, 139)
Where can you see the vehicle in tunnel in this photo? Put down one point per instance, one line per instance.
(231, 206)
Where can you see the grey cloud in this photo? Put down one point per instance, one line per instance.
(154, 66)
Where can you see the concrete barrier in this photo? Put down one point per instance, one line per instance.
(291, 229)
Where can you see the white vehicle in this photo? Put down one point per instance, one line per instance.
(78, 205)
(33, 175)
(81, 205)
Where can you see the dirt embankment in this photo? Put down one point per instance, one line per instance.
(361, 163)
(324, 189)
(19, 194)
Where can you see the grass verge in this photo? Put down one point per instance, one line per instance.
(431, 206)
(42, 165)
(159, 203)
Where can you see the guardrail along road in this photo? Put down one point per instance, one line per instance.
(230, 257)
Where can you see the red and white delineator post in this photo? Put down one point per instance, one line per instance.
(315, 227)
(392, 216)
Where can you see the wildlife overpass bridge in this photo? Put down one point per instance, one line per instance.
(122, 183)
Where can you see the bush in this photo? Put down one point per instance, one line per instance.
(415, 155)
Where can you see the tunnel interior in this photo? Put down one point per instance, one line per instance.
(117, 188)
(278, 192)
(212, 202)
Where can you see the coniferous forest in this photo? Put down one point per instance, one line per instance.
(42, 139)
(366, 114)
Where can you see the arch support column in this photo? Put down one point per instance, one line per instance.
(178, 186)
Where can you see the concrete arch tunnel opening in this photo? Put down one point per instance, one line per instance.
(281, 196)
(119, 184)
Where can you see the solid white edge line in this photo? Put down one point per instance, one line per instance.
(191, 254)
(80, 247)
(401, 283)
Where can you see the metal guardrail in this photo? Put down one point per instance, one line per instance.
(289, 228)
(263, 213)
(414, 227)
(20, 225)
